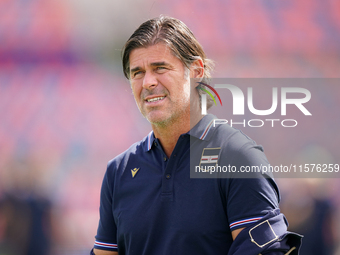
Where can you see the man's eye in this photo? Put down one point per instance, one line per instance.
(136, 73)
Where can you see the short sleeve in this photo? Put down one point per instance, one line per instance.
(106, 238)
(249, 199)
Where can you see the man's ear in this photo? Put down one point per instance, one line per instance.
(197, 69)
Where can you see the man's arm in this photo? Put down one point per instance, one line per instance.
(235, 232)
(103, 252)
(268, 235)
(106, 242)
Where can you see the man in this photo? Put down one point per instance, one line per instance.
(149, 203)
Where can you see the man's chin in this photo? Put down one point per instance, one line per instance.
(158, 119)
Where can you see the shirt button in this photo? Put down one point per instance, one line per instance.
(165, 158)
(168, 176)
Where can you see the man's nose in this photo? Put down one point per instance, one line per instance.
(149, 81)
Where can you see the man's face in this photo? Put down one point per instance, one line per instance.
(160, 84)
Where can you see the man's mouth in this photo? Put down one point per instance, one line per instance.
(154, 99)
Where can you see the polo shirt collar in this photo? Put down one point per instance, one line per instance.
(203, 129)
(148, 141)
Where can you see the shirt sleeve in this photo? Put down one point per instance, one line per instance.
(106, 238)
(249, 199)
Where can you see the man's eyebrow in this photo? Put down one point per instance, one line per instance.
(135, 69)
(162, 63)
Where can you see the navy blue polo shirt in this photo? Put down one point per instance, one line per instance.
(150, 205)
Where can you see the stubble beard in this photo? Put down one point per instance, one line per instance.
(174, 116)
(177, 113)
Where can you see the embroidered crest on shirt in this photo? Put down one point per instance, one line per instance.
(134, 171)
(209, 157)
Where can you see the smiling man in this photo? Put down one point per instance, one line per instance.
(149, 204)
(160, 83)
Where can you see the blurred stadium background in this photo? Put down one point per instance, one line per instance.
(66, 110)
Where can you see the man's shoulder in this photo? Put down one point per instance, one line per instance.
(218, 133)
(232, 142)
(136, 149)
(233, 139)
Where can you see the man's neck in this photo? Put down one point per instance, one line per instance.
(168, 135)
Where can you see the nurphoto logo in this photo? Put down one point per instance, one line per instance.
(238, 99)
